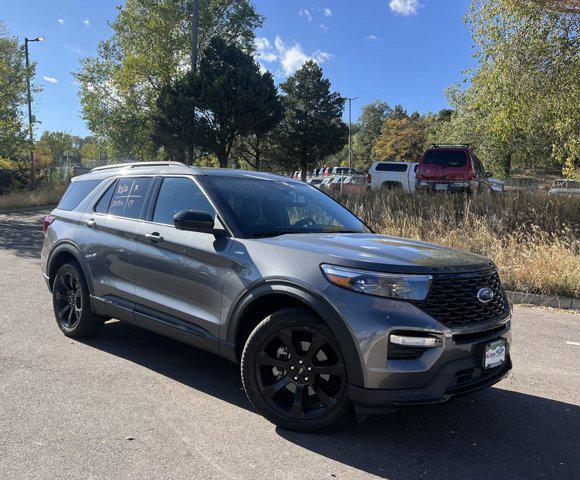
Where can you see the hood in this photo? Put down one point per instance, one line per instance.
(382, 253)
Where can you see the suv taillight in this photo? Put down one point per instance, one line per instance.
(369, 177)
(46, 221)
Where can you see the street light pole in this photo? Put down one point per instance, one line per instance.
(29, 99)
(350, 131)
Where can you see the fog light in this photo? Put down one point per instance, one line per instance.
(407, 341)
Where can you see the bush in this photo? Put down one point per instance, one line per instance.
(533, 238)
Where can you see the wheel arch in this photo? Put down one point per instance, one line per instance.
(61, 254)
(276, 295)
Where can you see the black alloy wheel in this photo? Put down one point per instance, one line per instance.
(294, 373)
(68, 300)
(71, 303)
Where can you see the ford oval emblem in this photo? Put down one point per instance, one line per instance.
(485, 295)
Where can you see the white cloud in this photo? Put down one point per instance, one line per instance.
(404, 7)
(327, 12)
(61, 21)
(50, 79)
(304, 12)
(87, 22)
(292, 57)
(264, 50)
(323, 28)
(373, 38)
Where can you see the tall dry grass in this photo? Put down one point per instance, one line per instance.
(32, 198)
(533, 238)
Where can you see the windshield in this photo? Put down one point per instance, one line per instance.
(264, 208)
(445, 158)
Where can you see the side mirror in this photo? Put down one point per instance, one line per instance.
(194, 221)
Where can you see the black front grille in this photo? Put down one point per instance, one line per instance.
(453, 300)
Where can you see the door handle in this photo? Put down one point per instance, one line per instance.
(91, 223)
(154, 237)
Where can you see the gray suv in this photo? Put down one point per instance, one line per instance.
(324, 316)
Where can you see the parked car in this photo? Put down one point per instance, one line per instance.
(521, 184)
(355, 184)
(326, 181)
(315, 182)
(340, 170)
(453, 168)
(322, 314)
(497, 185)
(565, 187)
(392, 175)
(334, 185)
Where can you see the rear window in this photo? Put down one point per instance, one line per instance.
(76, 192)
(391, 167)
(445, 158)
(129, 196)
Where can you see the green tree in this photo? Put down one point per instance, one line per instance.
(227, 99)
(53, 150)
(520, 108)
(12, 96)
(312, 127)
(149, 49)
(369, 128)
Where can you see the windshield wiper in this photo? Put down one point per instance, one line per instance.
(273, 233)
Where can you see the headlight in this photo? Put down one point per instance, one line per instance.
(392, 285)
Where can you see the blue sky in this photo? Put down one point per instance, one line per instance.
(400, 51)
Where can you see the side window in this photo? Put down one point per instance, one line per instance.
(178, 194)
(76, 192)
(102, 205)
(128, 197)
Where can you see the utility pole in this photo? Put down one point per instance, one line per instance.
(194, 55)
(350, 131)
(29, 101)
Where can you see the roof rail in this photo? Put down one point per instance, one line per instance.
(452, 145)
(137, 164)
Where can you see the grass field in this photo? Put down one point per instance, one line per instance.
(533, 238)
(26, 198)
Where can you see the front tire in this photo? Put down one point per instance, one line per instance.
(293, 372)
(71, 303)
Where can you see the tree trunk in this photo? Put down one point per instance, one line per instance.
(303, 167)
(222, 159)
(258, 152)
(507, 166)
(189, 160)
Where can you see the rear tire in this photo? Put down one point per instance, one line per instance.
(72, 304)
(293, 372)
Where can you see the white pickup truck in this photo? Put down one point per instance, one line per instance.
(399, 175)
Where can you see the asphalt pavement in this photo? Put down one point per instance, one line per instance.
(128, 404)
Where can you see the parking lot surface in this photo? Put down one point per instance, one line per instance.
(128, 404)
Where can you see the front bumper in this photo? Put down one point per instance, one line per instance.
(453, 379)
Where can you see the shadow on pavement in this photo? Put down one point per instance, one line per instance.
(195, 368)
(21, 233)
(495, 434)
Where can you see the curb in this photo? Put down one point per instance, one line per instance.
(28, 209)
(554, 301)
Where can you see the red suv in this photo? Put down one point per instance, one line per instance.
(451, 168)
